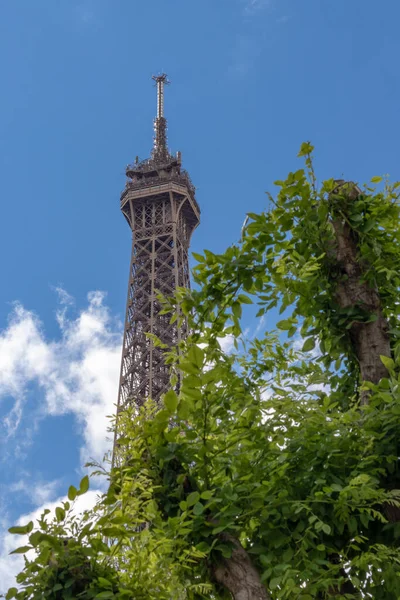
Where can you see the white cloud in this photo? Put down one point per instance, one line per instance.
(23, 356)
(260, 326)
(227, 343)
(63, 297)
(10, 566)
(252, 7)
(39, 493)
(76, 374)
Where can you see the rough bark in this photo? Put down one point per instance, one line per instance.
(238, 575)
(392, 513)
(369, 340)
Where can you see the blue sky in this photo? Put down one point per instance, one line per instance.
(251, 80)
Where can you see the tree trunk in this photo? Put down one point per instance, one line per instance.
(369, 340)
(238, 575)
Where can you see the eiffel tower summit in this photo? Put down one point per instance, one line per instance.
(159, 205)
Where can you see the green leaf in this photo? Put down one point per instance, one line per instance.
(198, 509)
(29, 526)
(352, 524)
(326, 528)
(388, 362)
(287, 555)
(104, 595)
(245, 299)
(336, 487)
(305, 148)
(367, 226)
(12, 592)
(361, 479)
(184, 409)
(376, 179)
(309, 344)
(35, 538)
(218, 529)
(114, 530)
(60, 514)
(187, 367)
(196, 356)
(284, 325)
(207, 495)
(22, 530)
(192, 498)
(104, 582)
(171, 401)
(203, 547)
(22, 550)
(72, 493)
(57, 587)
(237, 309)
(198, 257)
(273, 584)
(84, 485)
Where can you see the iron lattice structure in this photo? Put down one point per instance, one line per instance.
(159, 205)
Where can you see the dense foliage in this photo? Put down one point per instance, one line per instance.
(267, 449)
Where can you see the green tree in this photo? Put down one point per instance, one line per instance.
(274, 472)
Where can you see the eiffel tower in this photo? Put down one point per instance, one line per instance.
(159, 205)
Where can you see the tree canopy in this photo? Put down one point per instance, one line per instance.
(271, 471)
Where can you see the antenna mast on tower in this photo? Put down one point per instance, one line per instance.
(160, 150)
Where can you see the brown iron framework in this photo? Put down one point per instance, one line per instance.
(159, 204)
